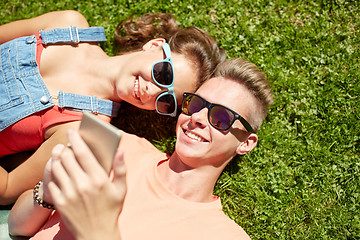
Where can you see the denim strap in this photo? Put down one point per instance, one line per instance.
(73, 35)
(88, 103)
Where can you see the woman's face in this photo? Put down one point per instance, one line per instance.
(137, 87)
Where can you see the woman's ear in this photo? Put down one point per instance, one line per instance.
(157, 42)
(247, 145)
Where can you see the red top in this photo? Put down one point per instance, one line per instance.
(28, 133)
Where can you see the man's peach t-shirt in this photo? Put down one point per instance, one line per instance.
(151, 211)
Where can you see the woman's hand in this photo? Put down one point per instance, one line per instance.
(88, 201)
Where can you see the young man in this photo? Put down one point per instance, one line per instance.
(168, 197)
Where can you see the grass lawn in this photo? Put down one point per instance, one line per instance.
(302, 181)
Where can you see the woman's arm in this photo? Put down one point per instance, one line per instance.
(46, 21)
(26, 216)
(27, 174)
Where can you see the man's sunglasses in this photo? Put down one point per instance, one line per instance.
(220, 117)
(163, 74)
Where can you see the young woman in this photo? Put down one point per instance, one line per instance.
(52, 69)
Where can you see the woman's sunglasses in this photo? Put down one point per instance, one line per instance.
(220, 117)
(163, 74)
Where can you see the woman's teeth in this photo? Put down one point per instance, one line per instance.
(136, 88)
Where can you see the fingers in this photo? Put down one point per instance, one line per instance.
(69, 166)
(74, 168)
(56, 193)
(55, 154)
(76, 172)
(67, 175)
(120, 173)
(84, 156)
(48, 176)
(76, 192)
(60, 173)
(57, 150)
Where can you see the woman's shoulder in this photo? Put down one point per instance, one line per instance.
(65, 18)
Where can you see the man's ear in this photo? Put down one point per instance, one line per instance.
(157, 42)
(247, 145)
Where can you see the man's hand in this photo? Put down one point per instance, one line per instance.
(87, 199)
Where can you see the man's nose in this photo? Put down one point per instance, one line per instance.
(199, 118)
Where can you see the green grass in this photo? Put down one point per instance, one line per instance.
(303, 179)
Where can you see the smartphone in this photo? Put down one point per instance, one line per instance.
(101, 137)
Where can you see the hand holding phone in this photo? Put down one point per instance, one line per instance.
(102, 138)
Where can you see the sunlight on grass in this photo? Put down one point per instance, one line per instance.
(303, 179)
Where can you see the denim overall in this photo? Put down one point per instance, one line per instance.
(22, 89)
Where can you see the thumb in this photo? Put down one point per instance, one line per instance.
(55, 154)
(119, 172)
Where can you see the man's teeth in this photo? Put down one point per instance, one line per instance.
(136, 87)
(194, 136)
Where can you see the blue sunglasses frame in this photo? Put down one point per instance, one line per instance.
(170, 87)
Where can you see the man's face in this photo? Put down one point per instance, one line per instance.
(198, 143)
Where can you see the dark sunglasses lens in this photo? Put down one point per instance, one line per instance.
(163, 73)
(192, 104)
(220, 117)
(166, 104)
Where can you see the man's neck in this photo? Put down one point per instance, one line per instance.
(192, 184)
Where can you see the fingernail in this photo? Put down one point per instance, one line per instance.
(57, 150)
(70, 131)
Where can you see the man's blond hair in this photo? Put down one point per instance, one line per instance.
(250, 76)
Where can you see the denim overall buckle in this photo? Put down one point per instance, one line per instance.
(72, 30)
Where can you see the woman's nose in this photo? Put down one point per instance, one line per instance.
(150, 92)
